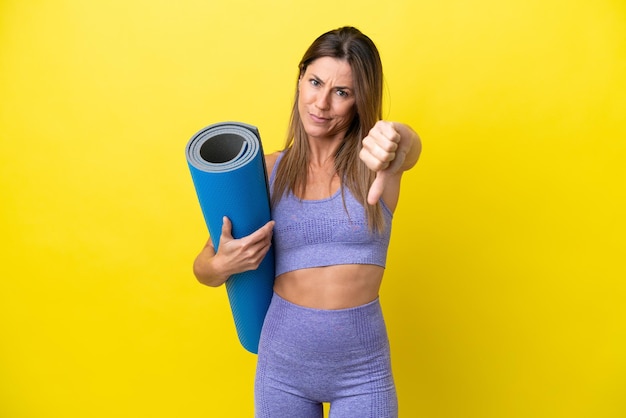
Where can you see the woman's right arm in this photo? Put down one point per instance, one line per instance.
(233, 255)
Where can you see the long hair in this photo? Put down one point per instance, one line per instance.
(358, 50)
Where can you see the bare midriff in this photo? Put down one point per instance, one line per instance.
(331, 287)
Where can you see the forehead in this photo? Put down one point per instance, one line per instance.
(333, 70)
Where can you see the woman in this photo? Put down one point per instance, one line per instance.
(334, 189)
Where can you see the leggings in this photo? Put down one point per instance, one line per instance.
(309, 356)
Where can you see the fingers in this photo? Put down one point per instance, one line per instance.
(383, 153)
(255, 246)
(263, 234)
(245, 253)
(379, 146)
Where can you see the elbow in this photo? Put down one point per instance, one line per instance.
(207, 281)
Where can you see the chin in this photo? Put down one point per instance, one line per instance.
(315, 132)
(319, 135)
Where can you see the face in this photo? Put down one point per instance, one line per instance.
(326, 99)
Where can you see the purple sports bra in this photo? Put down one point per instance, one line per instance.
(316, 233)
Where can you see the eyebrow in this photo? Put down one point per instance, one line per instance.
(336, 87)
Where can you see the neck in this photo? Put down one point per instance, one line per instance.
(322, 152)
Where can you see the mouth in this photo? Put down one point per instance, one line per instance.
(318, 119)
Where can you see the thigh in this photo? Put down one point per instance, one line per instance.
(276, 403)
(371, 405)
(281, 383)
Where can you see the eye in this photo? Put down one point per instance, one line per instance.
(314, 82)
(342, 93)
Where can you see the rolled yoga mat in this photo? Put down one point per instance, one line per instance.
(228, 171)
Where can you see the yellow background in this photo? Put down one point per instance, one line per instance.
(504, 294)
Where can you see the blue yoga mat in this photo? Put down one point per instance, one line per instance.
(228, 171)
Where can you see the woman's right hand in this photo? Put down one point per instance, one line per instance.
(233, 255)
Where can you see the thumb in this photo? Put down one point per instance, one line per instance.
(377, 187)
(227, 228)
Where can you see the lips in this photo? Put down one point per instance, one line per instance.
(318, 119)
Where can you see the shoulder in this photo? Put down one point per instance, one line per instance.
(270, 160)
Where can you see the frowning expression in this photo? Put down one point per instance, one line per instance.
(326, 99)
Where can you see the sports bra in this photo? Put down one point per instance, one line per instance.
(316, 233)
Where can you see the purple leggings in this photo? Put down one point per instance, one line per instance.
(309, 356)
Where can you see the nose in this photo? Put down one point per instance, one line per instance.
(322, 100)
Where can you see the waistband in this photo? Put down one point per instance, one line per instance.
(320, 330)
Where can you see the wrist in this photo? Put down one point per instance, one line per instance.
(218, 270)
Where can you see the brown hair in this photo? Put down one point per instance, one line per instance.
(361, 54)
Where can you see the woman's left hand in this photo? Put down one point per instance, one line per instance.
(384, 153)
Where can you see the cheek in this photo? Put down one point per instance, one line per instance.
(345, 109)
(305, 96)
(301, 101)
